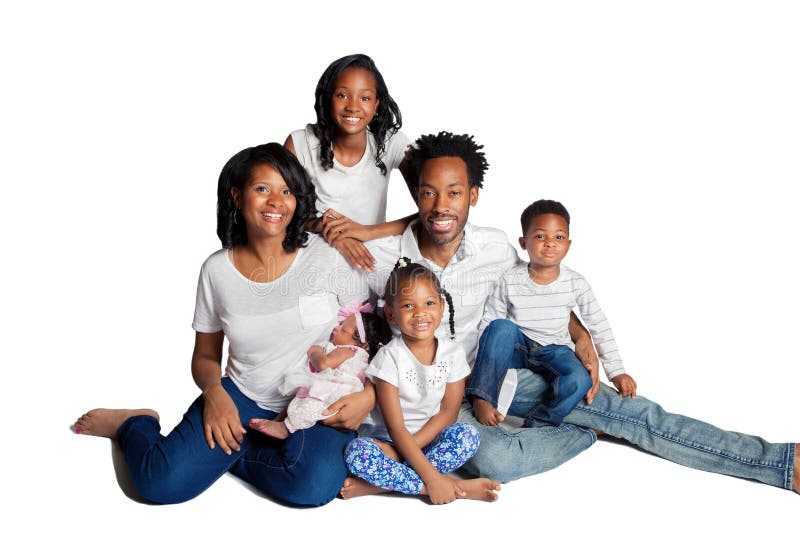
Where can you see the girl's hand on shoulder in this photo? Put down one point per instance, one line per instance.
(350, 411)
(355, 253)
(221, 420)
(334, 226)
(444, 490)
(625, 384)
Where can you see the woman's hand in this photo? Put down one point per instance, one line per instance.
(625, 384)
(351, 410)
(221, 420)
(443, 489)
(334, 226)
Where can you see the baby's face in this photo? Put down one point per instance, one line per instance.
(547, 240)
(345, 333)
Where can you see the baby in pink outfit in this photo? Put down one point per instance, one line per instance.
(333, 371)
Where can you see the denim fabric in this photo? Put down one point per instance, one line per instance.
(503, 346)
(305, 469)
(510, 455)
(451, 448)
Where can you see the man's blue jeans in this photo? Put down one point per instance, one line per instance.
(510, 454)
(305, 469)
(503, 346)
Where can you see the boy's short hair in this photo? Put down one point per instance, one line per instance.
(543, 207)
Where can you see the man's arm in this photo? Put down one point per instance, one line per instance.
(586, 353)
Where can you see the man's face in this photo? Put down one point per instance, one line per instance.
(444, 198)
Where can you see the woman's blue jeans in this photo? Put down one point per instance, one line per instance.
(305, 469)
(510, 454)
(503, 346)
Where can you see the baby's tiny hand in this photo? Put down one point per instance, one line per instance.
(625, 384)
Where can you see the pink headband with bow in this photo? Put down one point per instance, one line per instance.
(356, 308)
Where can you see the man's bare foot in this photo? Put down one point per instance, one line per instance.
(480, 489)
(105, 423)
(485, 412)
(356, 487)
(796, 474)
(271, 428)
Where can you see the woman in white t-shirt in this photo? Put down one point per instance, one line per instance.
(349, 153)
(273, 290)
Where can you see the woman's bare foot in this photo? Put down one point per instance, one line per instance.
(480, 489)
(105, 423)
(796, 475)
(271, 428)
(485, 412)
(356, 487)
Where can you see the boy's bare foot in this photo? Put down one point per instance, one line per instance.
(356, 487)
(485, 412)
(271, 428)
(796, 474)
(480, 489)
(105, 423)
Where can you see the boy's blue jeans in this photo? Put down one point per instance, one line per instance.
(305, 469)
(503, 346)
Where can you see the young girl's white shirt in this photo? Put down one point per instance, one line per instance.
(358, 192)
(420, 387)
(270, 326)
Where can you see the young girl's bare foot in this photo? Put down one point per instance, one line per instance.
(356, 487)
(105, 423)
(480, 489)
(271, 428)
(485, 412)
(796, 474)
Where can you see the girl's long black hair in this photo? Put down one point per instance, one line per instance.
(384, 124)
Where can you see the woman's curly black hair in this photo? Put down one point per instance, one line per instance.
(405, 270)
(384, 124)
(231, 229)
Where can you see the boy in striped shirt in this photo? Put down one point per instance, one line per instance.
(526, 325)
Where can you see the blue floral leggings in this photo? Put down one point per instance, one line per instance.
(450, 450)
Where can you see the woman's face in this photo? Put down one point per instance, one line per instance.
(266, 203)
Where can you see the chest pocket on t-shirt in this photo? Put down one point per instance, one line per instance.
(316, 309)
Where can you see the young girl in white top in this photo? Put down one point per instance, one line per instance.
(349, 153)
(419, 383)
(333, 371)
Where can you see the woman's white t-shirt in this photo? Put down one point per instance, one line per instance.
(270, 326)
(358, 192)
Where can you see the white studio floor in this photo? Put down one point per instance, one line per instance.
(610, 487)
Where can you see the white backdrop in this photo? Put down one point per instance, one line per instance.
(669, 130)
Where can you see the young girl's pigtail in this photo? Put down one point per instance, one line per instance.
(449, 300)
(402, 263)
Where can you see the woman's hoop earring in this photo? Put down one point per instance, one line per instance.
(234, 216)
